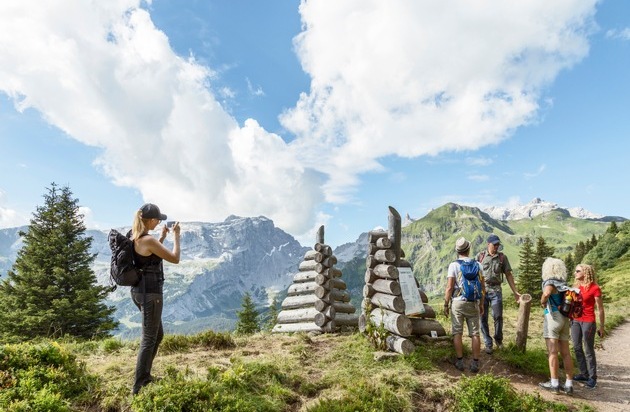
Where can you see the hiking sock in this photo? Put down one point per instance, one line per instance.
(460, 358)
(555, 382)
(568, 382)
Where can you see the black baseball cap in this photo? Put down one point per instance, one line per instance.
(151, 211)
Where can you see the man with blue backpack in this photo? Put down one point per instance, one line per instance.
(463, 298)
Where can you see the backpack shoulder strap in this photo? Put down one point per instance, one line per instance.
(480, 256)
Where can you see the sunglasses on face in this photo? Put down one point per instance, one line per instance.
(578, 270)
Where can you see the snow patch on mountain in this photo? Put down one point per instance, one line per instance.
(534, 208)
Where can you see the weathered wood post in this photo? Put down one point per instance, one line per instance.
(319, 236)
(394, 226)
(386, 295)
(522, 322)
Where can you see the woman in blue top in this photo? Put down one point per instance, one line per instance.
(556, 326)
(147, 295)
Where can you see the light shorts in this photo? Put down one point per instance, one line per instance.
(465, 311)
(556, 326)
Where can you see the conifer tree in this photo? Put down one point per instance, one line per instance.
(248, 317)
(272, 315)
(543, 251)
(613, 228)
(569, 262)
(528, 280)
(580, 252)
(51, 289)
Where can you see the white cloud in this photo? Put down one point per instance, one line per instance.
(478, 178)
(479, 161)
(10, 217)
(623, 34)
(396, 77)
(419, 78)
(254, 91)
(538, 172)
(105, 75)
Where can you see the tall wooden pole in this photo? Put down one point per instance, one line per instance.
(522, 322)
(394, 231)
(319, 237)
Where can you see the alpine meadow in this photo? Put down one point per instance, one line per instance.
(49, 365)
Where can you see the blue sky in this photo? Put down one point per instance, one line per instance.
(315, 112)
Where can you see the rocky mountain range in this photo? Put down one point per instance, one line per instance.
(220, 262)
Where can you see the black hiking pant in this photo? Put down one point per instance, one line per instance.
(152, 334)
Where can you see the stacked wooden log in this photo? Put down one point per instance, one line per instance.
(317, 301)
(384, 302)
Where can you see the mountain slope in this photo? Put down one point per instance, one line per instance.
(219, 263)
(429, 242)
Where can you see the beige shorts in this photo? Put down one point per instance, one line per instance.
(465, 311)
(556, 326)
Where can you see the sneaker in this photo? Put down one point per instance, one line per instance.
(580, 378)
(500, 346)
(548, 386)
(474, 366)
(568, 390)
(489, 350)
(460, 364)
(590, 384)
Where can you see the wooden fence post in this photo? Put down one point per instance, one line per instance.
(522, 322)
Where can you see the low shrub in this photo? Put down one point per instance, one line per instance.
(41, 376)
(251, 386)
(490, 393)
(363, 397)
(215, 340)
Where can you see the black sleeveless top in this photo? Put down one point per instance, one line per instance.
(152, 273)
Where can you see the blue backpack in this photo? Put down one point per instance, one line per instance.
(468, 280)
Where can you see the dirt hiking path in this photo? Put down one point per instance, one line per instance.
(613, 381)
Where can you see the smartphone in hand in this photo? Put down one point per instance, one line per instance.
(170, 224)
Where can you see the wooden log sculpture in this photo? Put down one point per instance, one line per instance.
(318, 295)
(522, 322)
(384, 303)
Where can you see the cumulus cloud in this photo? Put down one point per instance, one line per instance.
(9, 217)
(387, 78)
(419, 78)
(105, 75)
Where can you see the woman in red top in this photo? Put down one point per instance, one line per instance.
(583, 328)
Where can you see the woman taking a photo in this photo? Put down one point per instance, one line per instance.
(583, 328)
(148, 294)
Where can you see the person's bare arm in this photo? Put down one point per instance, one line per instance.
(510, 279)
(448, 294)
(154, 246)
(602, 317)
(547, 291)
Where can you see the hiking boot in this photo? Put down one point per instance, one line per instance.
(489, 350)
(460, 364)
(474, 366)
(580, 378)
(548, 386)
(590, 384)
(568, 390)
(500, 346)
